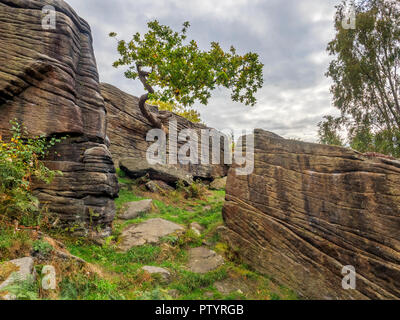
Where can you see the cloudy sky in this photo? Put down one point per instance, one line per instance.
(289, 35)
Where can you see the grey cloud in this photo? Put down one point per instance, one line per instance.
(290, 36)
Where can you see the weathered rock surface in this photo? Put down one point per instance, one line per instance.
(24, 271)
(218, 184)
(132, 210)
(49, 81)
(164, 273)
(203, 260)
(139, 167)
(127, 130)
(307, 210)
(148, 232)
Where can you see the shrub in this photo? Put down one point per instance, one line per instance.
(195, 190)
(20, 163)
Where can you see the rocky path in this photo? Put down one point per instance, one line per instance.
(164, 246)
(187, 230)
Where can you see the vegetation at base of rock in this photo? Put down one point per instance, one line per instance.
(119, 274)
(176, 71)
(365, 80)
(21, 161)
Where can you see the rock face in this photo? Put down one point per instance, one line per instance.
(127, 130)
(308, 210)
(49, 81)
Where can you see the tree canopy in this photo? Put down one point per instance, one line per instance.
(175, 70)
(365, 78)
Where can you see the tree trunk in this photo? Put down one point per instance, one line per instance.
(153, 119)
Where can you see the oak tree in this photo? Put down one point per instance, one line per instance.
(175, 70)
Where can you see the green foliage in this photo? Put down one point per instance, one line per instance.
(365, 78)
(128, 281)
(363, 139)
(190, 281)
(42, 247)
(79, 287)
(155, 294)
(120, 173)
(184, 74)
(187, 113)
(20, 163)
(328, 132)
(275, 296)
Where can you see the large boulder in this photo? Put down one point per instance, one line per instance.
(49, 81)
(139, 167)
(127, 130)
(308, 210)
(149, 232)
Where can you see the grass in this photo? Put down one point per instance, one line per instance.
(125, 268)
(14, 244)
(124, 197)
(120, 274)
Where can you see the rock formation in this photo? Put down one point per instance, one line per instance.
(308, 210)
(127, 130)
(49, 81)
